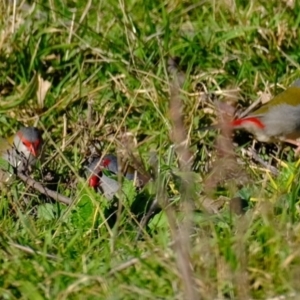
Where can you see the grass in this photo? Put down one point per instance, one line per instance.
(106, 62)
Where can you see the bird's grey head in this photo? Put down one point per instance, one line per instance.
(31, 134)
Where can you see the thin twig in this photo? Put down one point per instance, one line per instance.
(250, 108)
(43, 190)
(252, 153)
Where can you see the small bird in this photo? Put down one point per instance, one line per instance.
(20, 150)
(110, 162)
(99, 171)
(277, 120)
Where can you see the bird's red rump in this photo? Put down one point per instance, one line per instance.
(241, 122)
(94, 181)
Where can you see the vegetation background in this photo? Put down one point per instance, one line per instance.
(91, 72)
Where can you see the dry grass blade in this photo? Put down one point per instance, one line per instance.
(43, 88)
(128, 150)
(225, 166)
(253, 154)
(250, 108)
(181, 232)
(31, 251)
(130, 262)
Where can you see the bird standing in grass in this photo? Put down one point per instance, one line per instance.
(277, 120)
(102, 174)
(20, 150)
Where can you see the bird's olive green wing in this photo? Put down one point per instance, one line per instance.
(291, 96)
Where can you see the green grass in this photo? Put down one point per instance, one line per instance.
(107, 65)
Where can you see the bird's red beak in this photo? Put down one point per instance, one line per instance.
(33, 150)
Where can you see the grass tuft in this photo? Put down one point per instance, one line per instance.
(95, 75)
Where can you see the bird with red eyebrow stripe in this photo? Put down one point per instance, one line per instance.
(102, 175)
(277, 120)
(20, 150)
